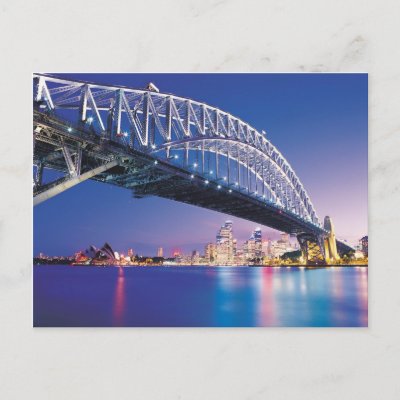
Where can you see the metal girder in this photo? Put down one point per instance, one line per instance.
(95, 110)
(68, 159)
(39, 175)
(67, 184)
(41, 92)
(83, 103)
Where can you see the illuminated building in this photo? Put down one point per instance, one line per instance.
(103, 256)
(358, 254)
(364, 245)
(195, 257)
(176, 253)
(253, 247)
(285, 238)
(239, 257)
(160, 252)
(249, 249)
(225, 244)
(266, 248)
(81, 258)
(281, 246)
(131, 253)
(210, 252)
(257, 243)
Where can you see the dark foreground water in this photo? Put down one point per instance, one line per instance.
(200, 296)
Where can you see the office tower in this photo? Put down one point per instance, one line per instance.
(210, 253)
(225, 244)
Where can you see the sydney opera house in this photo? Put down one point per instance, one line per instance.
(103, 256)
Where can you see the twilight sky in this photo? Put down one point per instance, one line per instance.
(318, 121)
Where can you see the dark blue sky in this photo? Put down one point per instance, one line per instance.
(318, 121)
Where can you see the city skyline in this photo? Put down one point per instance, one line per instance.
(224, 249)
(309, 117)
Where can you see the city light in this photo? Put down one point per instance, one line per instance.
(153, 146)
(206, 182)
(90, 120)
(225, 250)
(219, 187)
(156, 162)
(191, 176)
(69, 129)
(176, 156)
(195, 165)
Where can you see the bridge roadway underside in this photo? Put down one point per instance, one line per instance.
(140, 174)
(237, 203)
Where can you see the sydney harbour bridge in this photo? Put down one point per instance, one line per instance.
(159, 144)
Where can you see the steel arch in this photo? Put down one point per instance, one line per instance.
(159, 124)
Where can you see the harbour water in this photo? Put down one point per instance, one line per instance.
(200, 296)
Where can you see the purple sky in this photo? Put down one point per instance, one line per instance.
(318, 121)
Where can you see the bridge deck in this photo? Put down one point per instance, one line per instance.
(145, 176)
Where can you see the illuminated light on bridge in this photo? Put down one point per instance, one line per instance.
(150, 142)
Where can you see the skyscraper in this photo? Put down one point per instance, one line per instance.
(253, 247)
(266, 247)
(249, 247)
(160, 252)
(210, 253)
(258, 243)
(195, 259)
(225, 244)
(364, 245)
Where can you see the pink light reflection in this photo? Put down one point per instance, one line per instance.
(267, 311)
(119, 299)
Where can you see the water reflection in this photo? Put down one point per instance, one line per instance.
(119, 299)
(267, 311)
(235, 296)
(195, 296)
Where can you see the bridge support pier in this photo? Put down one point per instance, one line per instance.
(312, 248)
(319, 249)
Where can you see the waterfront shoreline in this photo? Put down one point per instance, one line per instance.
(210, 266)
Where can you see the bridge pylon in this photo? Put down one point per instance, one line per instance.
(331, 253)
(319, 249)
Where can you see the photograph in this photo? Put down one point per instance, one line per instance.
(200, 199)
